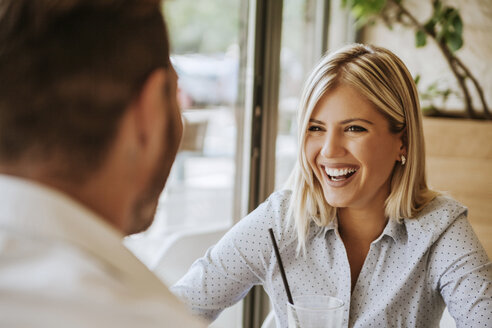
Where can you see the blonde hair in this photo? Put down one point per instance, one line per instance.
(381, 77)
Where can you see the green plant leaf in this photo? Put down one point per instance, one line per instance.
(457, 24)
(364, 10)
(359, 12)
(454, 41)
(432, 88)
(445, 94)
(436, 15)
(417, 79)
(437, 4)
(420, 39)
(441, 34)
(449, 13)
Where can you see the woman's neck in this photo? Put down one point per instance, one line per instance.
(361, 224)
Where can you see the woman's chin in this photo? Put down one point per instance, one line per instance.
(336, 201)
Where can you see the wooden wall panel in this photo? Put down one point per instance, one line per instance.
(459, 162)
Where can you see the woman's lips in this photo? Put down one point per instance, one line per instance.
(339, 176)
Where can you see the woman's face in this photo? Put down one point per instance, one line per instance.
(350, 149)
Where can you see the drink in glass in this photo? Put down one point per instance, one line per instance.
(315, 311)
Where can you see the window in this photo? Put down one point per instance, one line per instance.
(304, 38)
(206, 43)
(199, 202)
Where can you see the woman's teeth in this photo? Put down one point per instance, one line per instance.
(340, 174)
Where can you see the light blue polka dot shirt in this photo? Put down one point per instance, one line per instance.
(412, 271)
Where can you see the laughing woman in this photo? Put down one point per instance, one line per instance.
(357, 221)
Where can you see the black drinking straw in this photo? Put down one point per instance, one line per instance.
(281, 267)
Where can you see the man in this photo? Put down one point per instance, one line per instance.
(89, 128)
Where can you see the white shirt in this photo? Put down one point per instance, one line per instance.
(63, 266)
(411, 271)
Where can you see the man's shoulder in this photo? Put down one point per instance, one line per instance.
(59, 283)
(40, 264)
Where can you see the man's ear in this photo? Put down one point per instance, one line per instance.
(148, 106)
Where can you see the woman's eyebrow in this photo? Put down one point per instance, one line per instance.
(312, 120)
(350, 120)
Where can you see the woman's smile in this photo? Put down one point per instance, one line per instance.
(339, 176)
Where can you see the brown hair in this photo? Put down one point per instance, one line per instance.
(69, 69)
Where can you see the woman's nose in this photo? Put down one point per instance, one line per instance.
(332, 146)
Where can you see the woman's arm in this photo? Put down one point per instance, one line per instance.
(463, 274)
(240, 260)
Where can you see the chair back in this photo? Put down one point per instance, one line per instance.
(182, 249)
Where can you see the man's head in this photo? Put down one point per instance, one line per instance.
(77, 80)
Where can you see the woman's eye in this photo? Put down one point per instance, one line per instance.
(355, 128)
(314, 128)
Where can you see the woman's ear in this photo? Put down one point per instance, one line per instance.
(404, 142)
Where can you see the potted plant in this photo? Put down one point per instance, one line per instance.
(445, 28)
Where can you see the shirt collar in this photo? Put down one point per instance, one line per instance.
(333, 225)
(394, 229)
(38, 211)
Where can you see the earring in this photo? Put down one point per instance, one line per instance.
(403, 160)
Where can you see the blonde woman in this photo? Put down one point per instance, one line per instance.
(358, 221)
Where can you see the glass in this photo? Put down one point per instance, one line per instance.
(315, 311)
